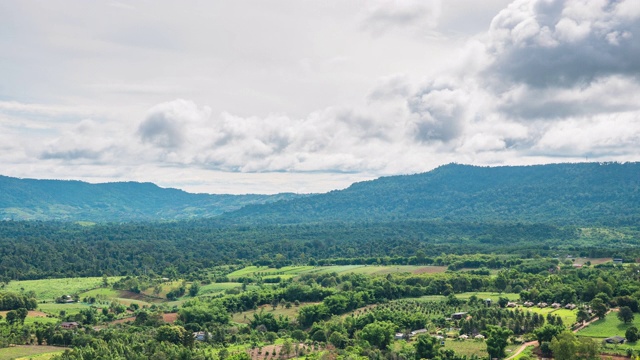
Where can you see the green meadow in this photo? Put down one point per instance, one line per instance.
(29, 352)
(49, 289)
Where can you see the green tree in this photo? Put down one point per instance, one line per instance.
(503, 301)
(631, 334)
(497, 340)
(287, 348)
(12, 317)
(564, 346)
(426, 347)
(599, 308)
(547, 332)
(338, 339)
(194, 289)
(625, 314)
(174, 334)
(582, 315)
(379, 333)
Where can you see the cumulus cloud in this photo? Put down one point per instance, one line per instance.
(548, 77)
(546, 43)
(166, 123)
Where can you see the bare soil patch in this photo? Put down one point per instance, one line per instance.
(170, 318)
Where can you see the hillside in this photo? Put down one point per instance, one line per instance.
(560, 193)
(29, 199)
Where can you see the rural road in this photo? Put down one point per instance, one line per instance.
(521, 348)
(524, 346)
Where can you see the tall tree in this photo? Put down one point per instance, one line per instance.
(497, 340)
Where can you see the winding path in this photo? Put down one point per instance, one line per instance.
(521, 348)
(534, 343)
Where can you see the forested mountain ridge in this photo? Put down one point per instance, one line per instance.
(583, 193)
(579, 193)
(30, 199)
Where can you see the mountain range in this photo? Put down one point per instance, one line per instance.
(30, 199)
(557, 193)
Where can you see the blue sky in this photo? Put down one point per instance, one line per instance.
(309, 96)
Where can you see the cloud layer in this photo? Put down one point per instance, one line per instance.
(548, 81)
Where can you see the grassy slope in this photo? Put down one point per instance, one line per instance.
(28, 352)
(49, 289)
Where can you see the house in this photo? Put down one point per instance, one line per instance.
(614, 340)
(617, 261)
(65, 299)
(479, 337)
(511, 304)
(417, 332)
(399, 336)
(556, 305)
(487, 302)
(577, 265)
(201, 335)
(570, 306)
(542, 304)
(528, 304)
(463, 337)
(69, 325)
(458, 315)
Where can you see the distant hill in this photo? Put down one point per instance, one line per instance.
(29, 199)
(560, 193)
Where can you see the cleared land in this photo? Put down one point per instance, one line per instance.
(29, 351)
(609, 326)
(33, 317)
(293, 271)
(246, 316)
(472, 347)
(49, 289)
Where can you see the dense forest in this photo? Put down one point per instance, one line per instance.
(581, 194)
(30, 250)
(585, 193)
(29, 199)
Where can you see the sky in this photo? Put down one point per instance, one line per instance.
(254, 96)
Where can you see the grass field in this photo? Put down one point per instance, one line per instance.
(593, 261)
(609, 326)
(49, 289)
(471, 347)
(29, 352)
(568, 316)
(54, 309)
(293, 271)
(33, 317)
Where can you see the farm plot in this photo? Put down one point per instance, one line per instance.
(609, 326)
(49, 289)
(29, 352)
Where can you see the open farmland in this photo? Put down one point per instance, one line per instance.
(293, 271)
(29, 352)
(49, 289)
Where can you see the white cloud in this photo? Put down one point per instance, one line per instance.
(297, 90)
(386, 15)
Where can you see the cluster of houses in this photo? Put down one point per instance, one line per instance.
(400, 336)
(543, 304)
